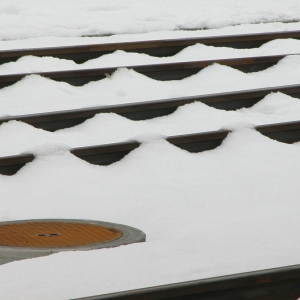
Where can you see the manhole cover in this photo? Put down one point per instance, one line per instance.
(55, 234)
(32, 238)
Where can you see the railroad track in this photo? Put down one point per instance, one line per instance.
(167, 71)
(52, 121)
(288, 132)
(160, 48)
(275, 284)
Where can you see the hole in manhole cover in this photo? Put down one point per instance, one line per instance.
(32, 238)
(48, 234)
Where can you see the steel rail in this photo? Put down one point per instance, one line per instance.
(160, 48)
(167, 71)
(52, 121)
(272, 284)
(288, 132)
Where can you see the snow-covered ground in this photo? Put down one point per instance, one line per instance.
(229, 210)
(37, 18)
(54, 41)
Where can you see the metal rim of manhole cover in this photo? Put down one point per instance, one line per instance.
(32, 238)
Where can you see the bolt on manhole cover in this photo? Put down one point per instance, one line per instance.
(33, 238)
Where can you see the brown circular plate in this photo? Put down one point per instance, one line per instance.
(55, 234)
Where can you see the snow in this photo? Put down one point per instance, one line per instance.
(229, 210)
(55, 41)
(73, 18)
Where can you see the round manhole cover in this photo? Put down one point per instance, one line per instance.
(55, 234)
(32, 238)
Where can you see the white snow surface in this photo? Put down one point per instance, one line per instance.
(233, 209)
(229, 210)
(54, 41)
(72, 18)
